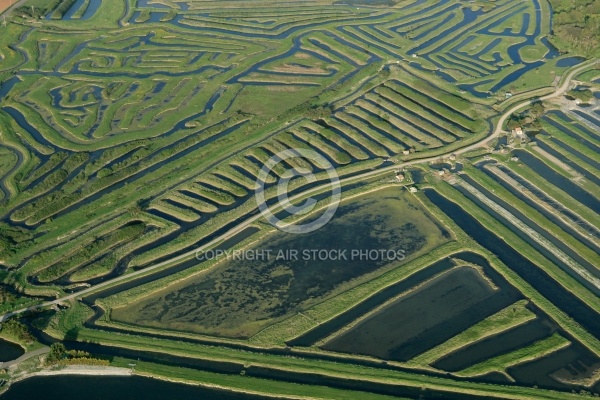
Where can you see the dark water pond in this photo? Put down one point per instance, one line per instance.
(9, 351)
(585, 136)
(411, 325)
(569, 61)
(7, 86)
(588, 117)
(325, 329)
(572, 362)
(587, 264)
(558, 213)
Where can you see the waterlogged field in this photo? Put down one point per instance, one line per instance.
(239, 297)
(425, 316)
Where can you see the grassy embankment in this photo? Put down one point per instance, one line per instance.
(298, 366)
(241, 384)
(555, 192)
(537, 350)
(508, 318)
(531, 213)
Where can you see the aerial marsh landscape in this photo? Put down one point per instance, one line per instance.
(142, 140)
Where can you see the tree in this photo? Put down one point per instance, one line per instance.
(57, 351)
(585, 95)
(17, 330)
(537, 109)
(513, 123)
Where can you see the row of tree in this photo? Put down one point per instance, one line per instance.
(60, 355)
(528, 118)
(17, 330)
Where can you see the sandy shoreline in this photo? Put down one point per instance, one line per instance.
(85, 370)
(78, 370)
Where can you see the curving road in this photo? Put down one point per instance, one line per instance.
(495, 133)
(26, 356)
(12, 6)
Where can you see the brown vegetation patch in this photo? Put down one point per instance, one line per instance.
(297, 69)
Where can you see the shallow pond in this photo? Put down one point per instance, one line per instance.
(291, 272)
(10, 351)
(425, 317)
(569, 61)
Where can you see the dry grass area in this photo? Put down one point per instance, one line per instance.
(299, 69)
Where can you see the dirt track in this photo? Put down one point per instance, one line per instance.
(4, 4)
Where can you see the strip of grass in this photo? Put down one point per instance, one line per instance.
(407, 123)
(54, 160)
(92, 250)
(298, 365)
(384, 122)
(11, 33)
(220, 197)
(510, 317)
(328, 135)
(51, 251)
(352, 116)
(225, 186)
(535, 351)
(243, 384)
(357, 136)
(197, 205)
(443, 116)
(565, 153)
(554, 192)
(569, 141)
(509, 182)
(535, 216)
(182, 214)
(571, 126)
